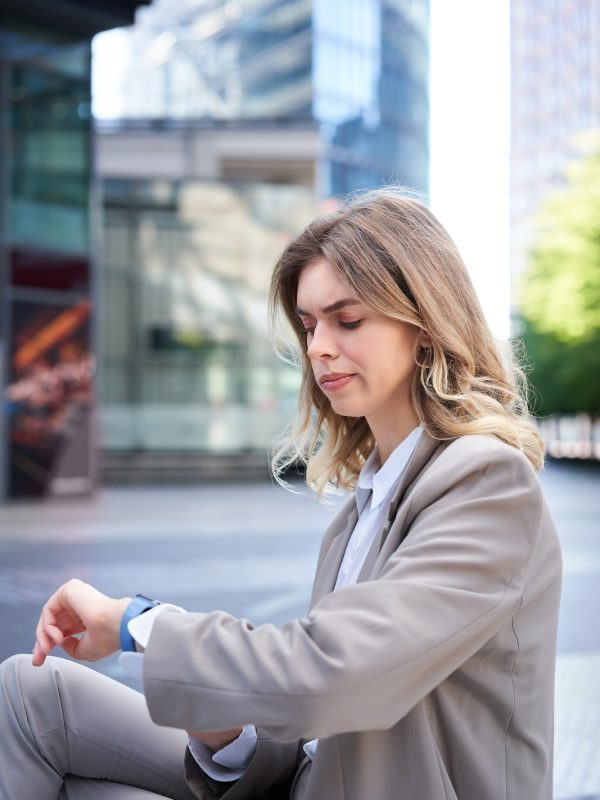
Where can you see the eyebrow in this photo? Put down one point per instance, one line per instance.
(347, 301)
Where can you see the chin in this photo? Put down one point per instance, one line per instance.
(346, 409)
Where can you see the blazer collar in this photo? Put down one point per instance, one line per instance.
(426, 447)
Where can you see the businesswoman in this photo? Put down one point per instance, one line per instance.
(424, 669)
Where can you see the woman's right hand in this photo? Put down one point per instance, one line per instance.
(77, 608)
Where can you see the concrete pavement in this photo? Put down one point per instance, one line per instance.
(176, 544)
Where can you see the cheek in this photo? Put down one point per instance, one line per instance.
(361, 349)
(392, 358)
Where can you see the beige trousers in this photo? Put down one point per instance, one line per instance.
(69, 733)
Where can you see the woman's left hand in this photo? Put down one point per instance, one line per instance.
(77, 608)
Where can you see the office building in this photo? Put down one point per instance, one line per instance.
(194, 219)
(234, 124)
(47, 275)
(359, 69)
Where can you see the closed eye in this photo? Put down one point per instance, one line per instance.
(350, 326)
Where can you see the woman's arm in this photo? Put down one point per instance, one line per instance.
(85, 623)
(366, 654)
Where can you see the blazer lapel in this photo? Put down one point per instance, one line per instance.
(338, 534)
(426, 446)
(341, 528)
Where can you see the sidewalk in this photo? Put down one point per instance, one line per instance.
(177, 543)
(577, 727)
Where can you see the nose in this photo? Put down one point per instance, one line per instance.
(321, 343)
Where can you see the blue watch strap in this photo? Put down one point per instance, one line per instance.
(138, 605)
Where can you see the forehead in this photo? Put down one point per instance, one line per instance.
(319, 284)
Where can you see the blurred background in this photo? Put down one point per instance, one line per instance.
(152, 172)
(155, 157)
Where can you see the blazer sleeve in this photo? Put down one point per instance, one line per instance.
(365, 654)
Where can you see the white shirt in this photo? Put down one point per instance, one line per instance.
(374, 491)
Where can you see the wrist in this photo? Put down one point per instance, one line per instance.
(117, 615)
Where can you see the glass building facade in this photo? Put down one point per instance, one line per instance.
(46, 265)
(360, 69)
(186, 362)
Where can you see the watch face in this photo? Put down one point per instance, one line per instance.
(142, 598)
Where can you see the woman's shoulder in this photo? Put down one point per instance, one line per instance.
(477, 475)
(481, 457)
(482, 445)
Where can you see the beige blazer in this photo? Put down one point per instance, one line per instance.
(430, 679)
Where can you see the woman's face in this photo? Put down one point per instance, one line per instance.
(363, 361)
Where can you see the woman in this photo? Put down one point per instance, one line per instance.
(425, 667)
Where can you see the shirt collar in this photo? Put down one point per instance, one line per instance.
(381, 480)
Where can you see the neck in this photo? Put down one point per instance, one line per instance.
(388, 436)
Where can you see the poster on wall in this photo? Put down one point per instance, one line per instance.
(50, 399)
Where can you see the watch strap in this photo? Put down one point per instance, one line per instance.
(139, 605)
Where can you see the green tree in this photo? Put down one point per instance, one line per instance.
(560, 295)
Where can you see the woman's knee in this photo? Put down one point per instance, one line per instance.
(14, 673)
(27, 687)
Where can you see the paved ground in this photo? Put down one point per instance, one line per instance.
(177, 544)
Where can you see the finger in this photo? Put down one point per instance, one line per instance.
(42, 636)
(68, 623)
(55, 635)
(72, 595)
(57, 619)
(38, 657)
(71, 629)
(79, 648)
(48, 634)
(57, 626)
(70, 645)
(44, 641)
(59, 606)
(49, 617)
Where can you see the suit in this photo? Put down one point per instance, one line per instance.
(432, 678)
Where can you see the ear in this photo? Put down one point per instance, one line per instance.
(424, 339)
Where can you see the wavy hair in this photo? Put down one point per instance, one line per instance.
(399, 261)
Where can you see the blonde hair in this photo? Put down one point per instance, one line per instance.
(399, 261)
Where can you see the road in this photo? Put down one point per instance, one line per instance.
(177, 544)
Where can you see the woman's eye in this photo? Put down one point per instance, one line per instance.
(350, 325)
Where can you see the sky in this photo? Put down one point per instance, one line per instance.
(470, 141)
(470, 99)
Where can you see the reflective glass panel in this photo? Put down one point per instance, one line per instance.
(49, 105)
(187, 361)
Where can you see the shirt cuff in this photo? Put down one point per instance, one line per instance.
(229, 763)
(140, 628)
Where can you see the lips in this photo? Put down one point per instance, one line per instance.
(334, 380)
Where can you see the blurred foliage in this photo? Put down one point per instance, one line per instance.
(560, 294)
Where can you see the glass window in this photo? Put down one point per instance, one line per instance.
(49, 155)
(186, 358)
